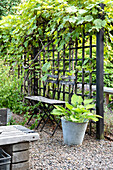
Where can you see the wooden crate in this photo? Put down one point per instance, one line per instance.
(15, 139)
(19, 155)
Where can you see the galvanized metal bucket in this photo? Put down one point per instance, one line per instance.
(73, 133)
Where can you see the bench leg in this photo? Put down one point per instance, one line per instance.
(42, 119)
(30, 118)
(35, 112)
(58, 124)
(107, 98)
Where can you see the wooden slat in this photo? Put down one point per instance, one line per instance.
(106, 89)
(11, 135)
(21, 166)
(19, 138)
(44, 100)
(20, 156)
(20, 146)
(66, 82)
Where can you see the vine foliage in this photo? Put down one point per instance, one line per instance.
(6, 7)
(21, 32)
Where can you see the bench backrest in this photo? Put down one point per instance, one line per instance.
(59, 87)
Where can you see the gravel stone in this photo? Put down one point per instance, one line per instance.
(50, 153)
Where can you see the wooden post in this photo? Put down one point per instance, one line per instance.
(35, 90)
(99, 83)
(107, 98)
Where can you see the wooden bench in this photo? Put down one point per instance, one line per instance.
(106, 90)
(45, 108)
(49, 101)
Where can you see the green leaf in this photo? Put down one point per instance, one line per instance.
(94, 11)
(34, 27)
(60, 108)
(56, 112)
(26, 43)
(40, 31)
(74, 99)
(103, 23)
(90, 106)
(82, 11)
(71, 9)
(85, 62)
(73, 19)
(63, 110)
(87, 101)
(90, 6)
(98, 116)
(46, 67)
(60, 48)
(44, 78)
(88, 18)
(80, 100)
(70, 107)
(77, 110)
(73, 118)
(93, 118)
(98, 24)
(80, 20)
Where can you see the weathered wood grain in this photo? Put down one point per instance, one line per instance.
(21, 166)
(44, 100)
(20, 146)
(15, 141)
(20, 156)
(11, 135)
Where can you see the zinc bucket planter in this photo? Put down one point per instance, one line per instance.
(73, 133)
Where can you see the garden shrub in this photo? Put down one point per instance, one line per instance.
(10, 88)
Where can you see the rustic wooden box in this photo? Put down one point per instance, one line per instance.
(15, 139)
(19, 155)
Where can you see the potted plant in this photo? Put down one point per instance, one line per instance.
(75, 118)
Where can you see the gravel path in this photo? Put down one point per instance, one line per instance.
(51, 154)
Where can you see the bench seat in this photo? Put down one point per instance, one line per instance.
(45, 100)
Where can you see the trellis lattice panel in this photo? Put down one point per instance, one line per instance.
(72, 69)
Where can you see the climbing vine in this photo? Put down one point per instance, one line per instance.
(36, 19)
(6, 7)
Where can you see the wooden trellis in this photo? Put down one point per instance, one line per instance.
(67, 66)
(71, 69)
(76, 66)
